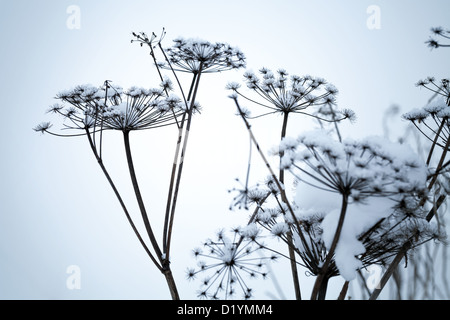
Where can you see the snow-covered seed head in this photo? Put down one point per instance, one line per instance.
(431, 119)
(89, 108)
(281, 93)
(280, 229)
(371, 168)
(192, 55)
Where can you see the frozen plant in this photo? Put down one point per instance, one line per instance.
(376, 215)
(228, 262)
(199, 56)
(380, 185)
(280, 93)
(194, 57)
(93, 110)
(90, 111)
(432, 121)
(442, 35)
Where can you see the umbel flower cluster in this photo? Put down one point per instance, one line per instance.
(111, 108)
(195, 56)
(355, 203)
(280, 93)
(227, 262)
(89, 111)
(359, 169)
(433, 119)
(378, 187)
(368, 175)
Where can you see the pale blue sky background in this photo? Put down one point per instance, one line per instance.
(56, 208)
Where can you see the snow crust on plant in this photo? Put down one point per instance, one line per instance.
(436, 107)
(250, 231)
(358, 219)
(398, 168)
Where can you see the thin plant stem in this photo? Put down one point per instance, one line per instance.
(122, 204)
(173, 175)
(137, 191)
(344, 290)
(275, 179)
(294, 270)
(323, 277)
(181, 163)
(165, 264)
(268, 166)
(435, 141)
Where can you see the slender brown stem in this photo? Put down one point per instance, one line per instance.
(291, 249)
(294, 270)
(167, 216)
(434, 142)
(171, 283)
(344, 290)
(122, 204)
(163, 259)
(438, 168)
(181, 163)
(323, 276)
(126, 138)
(283, 135)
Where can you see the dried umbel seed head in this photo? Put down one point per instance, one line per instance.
(441, 87)
(109, 107)
(194, 56)
(373, 167)
(442, 35)
(227, 261)
(280, 93)
(432, 120)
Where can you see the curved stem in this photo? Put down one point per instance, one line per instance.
(122, 204)
(323, 272)
(126, 138)
(164, 260)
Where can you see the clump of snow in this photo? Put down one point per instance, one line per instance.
(280, 228)
(358, 219)
(250, 231)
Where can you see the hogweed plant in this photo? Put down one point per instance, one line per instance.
(384, 194)
(287, 95)
(432, 122)
(354, 203)
(89, 111)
